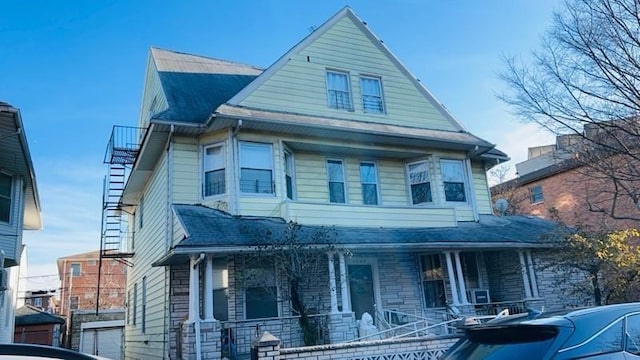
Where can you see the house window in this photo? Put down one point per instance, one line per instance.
(536, 194)
(335, 174)
(37, 302)
(73, 303)
(135, 303)
(369, 183)
(129, 307)
(470, 270)
(338, 90)
(220, 290)
(256, 168)
(261, 292)
(432, 281)
(453, 176)
(144, 304)
(420, 182)
(5, 197)
(289, 174)
(140, 213)
(75, 269)
(371, 89)
(214, 173)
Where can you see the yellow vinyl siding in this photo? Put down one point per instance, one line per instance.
(150, 246)
(481, 188)
(154, 101)
(300, 85)
(187, 185)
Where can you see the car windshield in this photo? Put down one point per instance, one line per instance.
(509, 342)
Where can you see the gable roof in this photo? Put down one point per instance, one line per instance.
(345, 12)
(29, 315)
(195, 85)
(213, 230)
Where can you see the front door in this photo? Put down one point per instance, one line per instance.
(361, 290)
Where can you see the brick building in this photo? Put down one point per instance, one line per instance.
(44, 300)
(553, 184)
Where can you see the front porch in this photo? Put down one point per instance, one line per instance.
(407, 293)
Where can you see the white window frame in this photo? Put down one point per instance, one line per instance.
(464, 180)
(79, 266)
(381, 96)
(9, 197)
(376, 182)
(205, 170)
(290, 172)
(270, 167)
(427, 162)
(349, 92)
(344, 180)
(423, 280)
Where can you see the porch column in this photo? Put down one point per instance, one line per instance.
(452, 278)
(532, 275)
(194, 293)
(462, 286)
(208, 289)
(332, 284)
(525, 277)
(346, 305)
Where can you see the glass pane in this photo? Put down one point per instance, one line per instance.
(470, 270)
(289, 182)
(5, 209)
(213, 159)
(454, 191)
(633, 334)
(255, 156)
(5, 185)
(421, 193)
(434, 293)
(368, 173)
(221, 304)
(334, 169)
(419, 173)
(452, 171)
(372, 104)
(337, 81)
(214, 182)
(608, 341)
(256, 181)
(431, 267)
(336, 192)
(369, 194)
(261, 302)
(288, 163)
(370, 86)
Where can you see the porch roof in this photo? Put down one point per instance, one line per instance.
(213, 231)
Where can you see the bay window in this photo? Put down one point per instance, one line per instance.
(214, 170)
(256, 168)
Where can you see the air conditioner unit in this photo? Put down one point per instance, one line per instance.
(479, 296)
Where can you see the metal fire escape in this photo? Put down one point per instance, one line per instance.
(116, 235)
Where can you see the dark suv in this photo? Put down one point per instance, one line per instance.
(604, 332)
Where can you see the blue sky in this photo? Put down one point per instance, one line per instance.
(75, 68)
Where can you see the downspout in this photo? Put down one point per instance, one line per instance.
(169, 233)
(236, 167)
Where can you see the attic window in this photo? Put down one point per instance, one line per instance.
(371, 89)
(338, 91)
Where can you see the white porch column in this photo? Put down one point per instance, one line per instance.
(194, 293)
(332, 284)
(532, 275)
(452, 278)
(208, 289)
(461, 284)
(346, 305)
(525, 277)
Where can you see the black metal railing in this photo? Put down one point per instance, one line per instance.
(123, 145)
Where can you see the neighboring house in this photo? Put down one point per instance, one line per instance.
(79, 277)
(44, 300)
(553, 183)
(19, 210)
(336, 134)
(35, 326)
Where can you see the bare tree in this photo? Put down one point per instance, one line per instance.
(584, 82)
(507, 190)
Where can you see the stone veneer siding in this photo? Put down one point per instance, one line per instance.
(78, 317)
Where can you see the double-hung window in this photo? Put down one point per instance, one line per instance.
(214, 173)
(289, 174)
(335, 174)
(432, 281)
(371, 89)
(453, 177)
(420, 182)
(5, 197)
(256, 168)
(338, 90)
(75, 269)
(369, 183)
(536, 195)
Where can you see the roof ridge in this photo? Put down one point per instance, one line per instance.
(206, 57)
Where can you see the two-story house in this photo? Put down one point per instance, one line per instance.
(19, 209)
(336, 134)
(44, 300)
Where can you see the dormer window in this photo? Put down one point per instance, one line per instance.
(371, 89)
(339, 91)
(256, 168)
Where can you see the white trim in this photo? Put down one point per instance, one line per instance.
(344, 287)
(461, 285)
(525, 276)
(285, 152)
(373, 262)
(377, 181)
(344, 180)
(270, 145)
(332, 282)
(380, 87)
(102, 324)
(349, 89)
(465, 179)
(203, 150)
(452, 279)
(428, 161)
(208, 290)
(532, 275)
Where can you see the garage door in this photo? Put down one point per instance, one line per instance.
(105, 342)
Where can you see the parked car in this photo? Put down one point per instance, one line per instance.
(604, 332)
(40, 352)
